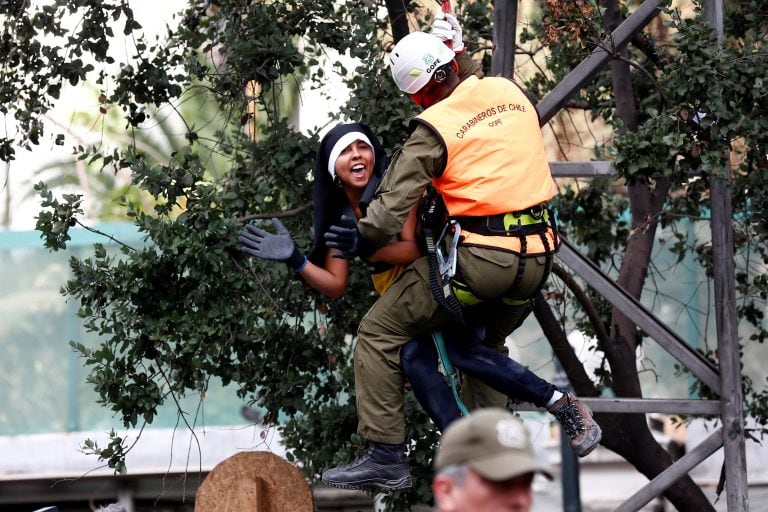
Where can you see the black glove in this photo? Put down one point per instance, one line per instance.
(348, 240)
(263, 244)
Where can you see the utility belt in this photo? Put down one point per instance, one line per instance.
(531, 221)
(446, 286)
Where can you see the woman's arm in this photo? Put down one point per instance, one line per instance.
(406, 250)
(330, 280)
(333, 278)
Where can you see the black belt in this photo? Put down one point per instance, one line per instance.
(520, 223)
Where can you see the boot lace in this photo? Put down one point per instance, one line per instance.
(570, 418)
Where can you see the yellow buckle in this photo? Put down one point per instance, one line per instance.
(518, 220)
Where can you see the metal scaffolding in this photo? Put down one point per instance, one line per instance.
(726, 380)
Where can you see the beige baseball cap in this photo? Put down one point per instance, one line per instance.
(491, 441)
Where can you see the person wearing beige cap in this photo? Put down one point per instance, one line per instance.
(485, 463)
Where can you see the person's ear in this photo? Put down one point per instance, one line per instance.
(455, 66)
(444, 489)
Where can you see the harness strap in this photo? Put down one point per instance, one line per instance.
(467, 298)
(443, 292)
(521, 262)
(549, 252)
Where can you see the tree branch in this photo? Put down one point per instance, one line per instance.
(564, 352)
(589, 307)
(92, 230)
(278, 215)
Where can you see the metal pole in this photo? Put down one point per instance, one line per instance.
(504, 38)
(570, 476)
(728, 347)
(731, 399)
(569, 463)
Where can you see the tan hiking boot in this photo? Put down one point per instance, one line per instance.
(576, 420)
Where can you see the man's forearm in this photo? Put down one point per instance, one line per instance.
(379, 226)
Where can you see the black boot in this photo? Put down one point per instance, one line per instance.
(382, 467)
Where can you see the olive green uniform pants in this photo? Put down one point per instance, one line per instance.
(408, 309)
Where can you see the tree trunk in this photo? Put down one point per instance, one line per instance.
(398, 18)
(629, 434)
(574, 369)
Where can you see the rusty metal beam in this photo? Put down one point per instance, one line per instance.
(588, 68)
(591, 169)
(504, 38)
(673, 473)
(635, 311)
(642, 405)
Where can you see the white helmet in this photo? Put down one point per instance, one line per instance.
(415, 58)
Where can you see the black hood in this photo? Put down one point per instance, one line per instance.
(329, 200)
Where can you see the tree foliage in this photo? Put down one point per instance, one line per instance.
(682, 108)
(701, 111)
(187, 306)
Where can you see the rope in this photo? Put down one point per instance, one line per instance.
(450, 371)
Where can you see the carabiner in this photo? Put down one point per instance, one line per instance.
(447, 264)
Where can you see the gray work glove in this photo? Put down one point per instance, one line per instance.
(446, 27)
(263, 244)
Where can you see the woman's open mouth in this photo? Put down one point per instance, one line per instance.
(358, 171)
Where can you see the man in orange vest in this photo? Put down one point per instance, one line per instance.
(478, 144)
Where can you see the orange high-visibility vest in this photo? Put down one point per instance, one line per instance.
(496, 160)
